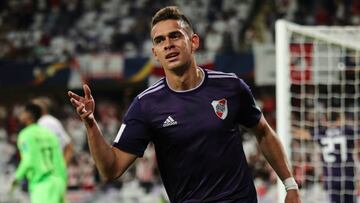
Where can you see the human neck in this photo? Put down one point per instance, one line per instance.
(188, 79)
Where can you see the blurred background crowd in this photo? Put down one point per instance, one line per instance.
(48, 29)
(59, 30)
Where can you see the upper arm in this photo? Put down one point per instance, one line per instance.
(63, 135)
(122, 161)
(134, 134)
(261, 129)
(25, 149)
(249, 113)
(132, 138)
(65, 138)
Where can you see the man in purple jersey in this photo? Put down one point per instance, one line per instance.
(337, 142)
(192, 117)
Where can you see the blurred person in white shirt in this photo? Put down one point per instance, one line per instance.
(49, 121)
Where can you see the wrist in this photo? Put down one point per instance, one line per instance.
(90, 120)
(290, 184)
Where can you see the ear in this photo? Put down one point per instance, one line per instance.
(154, 53)
(195, 42)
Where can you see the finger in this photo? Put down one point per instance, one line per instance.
(73, 95)
(87, 91)
(80, 109)
(74, 102)
(83, 113)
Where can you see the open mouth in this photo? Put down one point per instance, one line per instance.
(172, 55)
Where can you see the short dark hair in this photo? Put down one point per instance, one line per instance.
(34, 110)
(44, 103)
(171, 13)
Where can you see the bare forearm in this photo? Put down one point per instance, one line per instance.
(272, 148)
(275, 155)
(68, 153)
(110, 161)
(100, 150)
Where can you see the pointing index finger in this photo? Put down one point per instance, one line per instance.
(73, 95)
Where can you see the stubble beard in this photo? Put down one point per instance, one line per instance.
(181, 68)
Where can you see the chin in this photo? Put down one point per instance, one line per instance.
(176, 66)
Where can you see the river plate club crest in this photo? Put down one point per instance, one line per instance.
(220, 108)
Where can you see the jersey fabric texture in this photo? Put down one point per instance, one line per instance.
(50, 191)
(42, 163)
(337, 146)
(196, 137)
(54, 125)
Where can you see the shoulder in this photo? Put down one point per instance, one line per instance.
(23, 134)
(29, 132)
(153, 89)
(227, 79)
(221, 75)
(46, 134)
(30, 129)
(146, 98)
(48, 119)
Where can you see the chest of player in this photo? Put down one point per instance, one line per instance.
(182, 118)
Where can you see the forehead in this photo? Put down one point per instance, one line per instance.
(167, 26)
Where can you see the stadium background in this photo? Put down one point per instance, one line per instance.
(50, 46)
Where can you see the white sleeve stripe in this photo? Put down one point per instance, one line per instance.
(151, 91)
(220, 73)
(122, 128)
(151, 87)
(223, 76)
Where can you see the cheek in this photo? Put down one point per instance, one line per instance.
(188, 48)
(156, 53)
(22, 117)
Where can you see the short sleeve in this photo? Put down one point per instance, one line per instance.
(25, 148)
(55, 126)
(134, 135)
(64, 137)
(249, 114)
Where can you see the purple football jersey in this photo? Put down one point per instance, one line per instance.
(196, 137)
(337, 147)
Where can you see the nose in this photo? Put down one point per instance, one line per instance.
(168, 44)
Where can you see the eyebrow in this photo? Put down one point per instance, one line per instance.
(169, 34)
(160, 37)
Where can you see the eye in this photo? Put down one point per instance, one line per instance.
(158, 40)
(175, 35)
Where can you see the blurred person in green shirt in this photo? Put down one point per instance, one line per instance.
(42, 161)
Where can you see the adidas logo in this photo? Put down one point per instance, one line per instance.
(169, 121)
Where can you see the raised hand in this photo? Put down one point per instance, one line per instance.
(85, 106)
